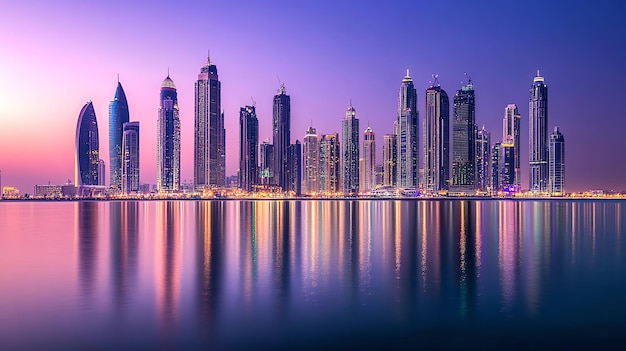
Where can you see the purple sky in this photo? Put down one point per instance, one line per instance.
(55, 57)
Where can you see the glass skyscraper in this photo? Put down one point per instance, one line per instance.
(368, 171)
(436, 140)
(483, 161)
(407, 172)
(248, 148)
(168, 139)
(463, 140)
(311, 161)
(538, 135)
(390, 152)
(118, 115)
(295, 168)
(87, 147)
(209, 135)
(130, 158)
(350, 152)
(281, 123)
(556, 183)
(329, 163)
(511, 137)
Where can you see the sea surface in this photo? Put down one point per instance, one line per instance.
(313, 275)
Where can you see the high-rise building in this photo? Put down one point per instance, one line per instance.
(101, 172)
(350, 152)
(436, 139)
(130, 158)
(248, 148)
(87, 147)
(538, 135)
(463, 140)
(311, 161)
(295, 168)
(483, 159)
(507, 167)
(209, 135)
(266, 172)
(329, 163)
(496, 174)
(168, 142)
(118, 115)
(368, 170)
(390, 152)
(282, 137)
(511, 136)
(556, 183)
(407, 171)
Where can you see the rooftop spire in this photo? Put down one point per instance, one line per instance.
(208, 56)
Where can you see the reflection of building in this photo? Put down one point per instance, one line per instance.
(248, 147)
(130, 158)
(538, 134)
(483, 159)
(87, 147)
(436, 139)
(118, 115)
(390, 142)
(329, 163)
(282, 138)
(407, 171)
(368, 171)
(463, 140)
(557, 163)
(350, 152)
(168, 143)
(311, 161)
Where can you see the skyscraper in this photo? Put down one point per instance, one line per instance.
(266, 172)
(118, 115)
(130, 158)
(556, 183)
(209, 135)
(295, 168)
(311, 161)
(407, 172)
(87, 147)
(329, 163)
(483, 159)
(511, 136)
(248, 148)
(350, 152)
(463, 140)
(436, 139)
(496, 174)
(282, 137)
(538, 135)
(507, 167)
(168, 142)
(368, 171)
(390, 152)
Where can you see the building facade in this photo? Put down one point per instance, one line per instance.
(168, 142)
(266, 166)
(368, 169)
(407, 169)
(511, 136)
(496, 174)
(556, 183)
(329, 163)
(311, 156)
(118, 115)
(538, 135)
(483, 159)
(390, 152)
(130, 158)
(248, 148)
(436, 140)
(281, 123)
(463, 140)
(350, 152)
(295, 168)
(87, 144)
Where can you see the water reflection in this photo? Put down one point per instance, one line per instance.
(86, 236)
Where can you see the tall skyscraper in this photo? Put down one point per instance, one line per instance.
(538, 135)
(511, 136)
(496, 174)
(390, 152)
(407, 172)
(295, 168)
(483, 159)
(209, 135)
(282, 137)
(118, 115)
(463, 140)
(350, 152)
(101, 172)
(130, 158)
(556, 183)
(507, 167)
(168, 143)
(311, 161)
(329, 163)
(266, 173)
(436, 139)
(87, 147)
(368, 171)
(248, 148)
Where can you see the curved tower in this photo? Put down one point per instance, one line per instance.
(407, 129)
(118, 115)
(168, 139)
(87, 147)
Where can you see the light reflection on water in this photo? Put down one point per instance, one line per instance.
(311, 274)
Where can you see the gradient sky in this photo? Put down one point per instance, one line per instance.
(56, 56)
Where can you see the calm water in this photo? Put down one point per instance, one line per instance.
(312, 274)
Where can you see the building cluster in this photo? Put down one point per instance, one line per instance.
(458, 157)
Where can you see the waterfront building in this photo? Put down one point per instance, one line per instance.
(483, 159)
(463, 140)
(168, 139)
(281, 123)
(311, 161)
(495, 168)
(130, 158)
(48, 190)
(556, 183)
(295, 168)
(87, 147)
(350, 152)
(511, 136)
(538, 135)
(266, 172)
(436, 139)
(329, 163)
(407, 158)
(368, 168)
(101, 172)
(248, 148)
(118, 115)
(506, 167)
(390, 152)
(209, 135)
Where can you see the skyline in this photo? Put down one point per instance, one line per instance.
(322, 68)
